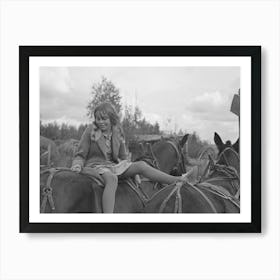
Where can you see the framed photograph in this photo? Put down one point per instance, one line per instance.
(140, 138)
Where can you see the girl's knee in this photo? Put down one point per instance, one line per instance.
(111, 179)
(141, 166)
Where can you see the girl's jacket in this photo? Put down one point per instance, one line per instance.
(92, 149)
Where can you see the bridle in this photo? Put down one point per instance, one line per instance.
(223, 155)
(180, 157)
(229, 172)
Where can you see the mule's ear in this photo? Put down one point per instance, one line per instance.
(236, 146)
(218, 141)
(184, 140)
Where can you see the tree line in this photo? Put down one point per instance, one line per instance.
(133, 121)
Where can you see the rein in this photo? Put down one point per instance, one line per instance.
(180, 161)
(47, 190)
(178, 198)
(218, 191)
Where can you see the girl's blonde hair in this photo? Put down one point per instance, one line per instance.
(108, 109)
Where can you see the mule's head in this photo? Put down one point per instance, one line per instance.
(169, 155)
(230, 158)
(222, 146)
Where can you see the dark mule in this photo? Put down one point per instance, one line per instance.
(188, 198)
(72, 193)
(225, 172)
(170, 156)
(78, 193)
(167, 156)
(217, 192)
(59, 187)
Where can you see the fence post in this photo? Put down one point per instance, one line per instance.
(49, 155)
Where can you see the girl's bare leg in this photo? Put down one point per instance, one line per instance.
(149, 172)
(108, 198)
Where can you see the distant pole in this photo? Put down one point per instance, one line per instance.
(49, 155)
(235, 106)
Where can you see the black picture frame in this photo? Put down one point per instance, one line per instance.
(254, 52)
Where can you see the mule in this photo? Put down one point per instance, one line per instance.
(216, 192)
(189, 198)
(49, 153)
(225, 172)
(166, 155)
(71, 192)
(170, 156)
(63, 191)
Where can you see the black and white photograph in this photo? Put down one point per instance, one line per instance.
(140, 138)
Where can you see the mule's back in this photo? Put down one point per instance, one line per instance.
(190, 198)
(71, 193)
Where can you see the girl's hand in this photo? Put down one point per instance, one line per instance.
(76, 168)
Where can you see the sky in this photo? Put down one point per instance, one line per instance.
(187, 98)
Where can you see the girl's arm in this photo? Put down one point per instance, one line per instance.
(122, 152)
(83, 148)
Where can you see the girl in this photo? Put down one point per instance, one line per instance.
(102, 148)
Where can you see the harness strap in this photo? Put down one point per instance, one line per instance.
(234, 182)
(178, 202)
(237, 195)
(163, 204)
(142, 195)
(177, 152)
(223, 155)
(44, 203)
(222, 179)
(175, 148)
(206, 170)
(47, 191)
(180, 208)
(214, 187)
(206, 198)
(222, 193)
(155, 161)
